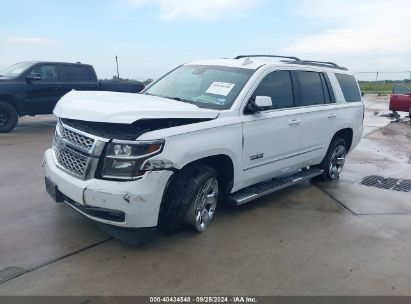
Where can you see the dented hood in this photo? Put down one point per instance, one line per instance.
(124, 108)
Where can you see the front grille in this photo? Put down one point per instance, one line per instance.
(78, 140)
(75, 163)
(77, 152)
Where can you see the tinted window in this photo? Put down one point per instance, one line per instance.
(400, 89)
(75, 73)
(349, 87)
(48, 72)
(311, 88)
(328, 90)
(277, 85)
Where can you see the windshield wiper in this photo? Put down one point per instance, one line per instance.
(174, 98)
(183, 100)
(180, 99)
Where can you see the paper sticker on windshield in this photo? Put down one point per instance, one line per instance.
(220, 88)
(220, 101)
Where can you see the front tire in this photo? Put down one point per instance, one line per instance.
(334, 160)
(8, 117)
(191, 198)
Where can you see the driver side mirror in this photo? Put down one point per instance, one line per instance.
(260, 103)
(34, 76)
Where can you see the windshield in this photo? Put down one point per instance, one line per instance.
(213, 87)
(16, 69)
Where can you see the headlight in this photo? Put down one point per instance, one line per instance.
(124, 159)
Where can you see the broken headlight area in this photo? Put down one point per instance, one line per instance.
(124, 159)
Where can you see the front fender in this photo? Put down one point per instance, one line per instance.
(184, 149)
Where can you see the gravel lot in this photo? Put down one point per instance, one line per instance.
(340, 238)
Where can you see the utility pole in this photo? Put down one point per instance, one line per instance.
(118, 75)
(376, 77)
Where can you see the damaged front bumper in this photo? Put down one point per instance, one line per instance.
(131, 204)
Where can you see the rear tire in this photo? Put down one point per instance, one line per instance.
(186, 194)
(334, 160)
(8, 117)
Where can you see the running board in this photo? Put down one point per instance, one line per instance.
(258, 190)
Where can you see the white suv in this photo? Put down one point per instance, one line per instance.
(225, 129)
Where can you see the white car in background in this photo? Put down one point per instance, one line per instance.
(208, 131)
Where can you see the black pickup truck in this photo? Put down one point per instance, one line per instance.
(31, 88)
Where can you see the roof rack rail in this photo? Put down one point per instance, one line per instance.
(274, 56)
(319, 64)
(296, 60)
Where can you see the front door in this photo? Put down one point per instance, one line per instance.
(42, 95)
(271, 138)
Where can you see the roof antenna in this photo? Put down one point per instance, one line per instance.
(118, 75)
(246, 61)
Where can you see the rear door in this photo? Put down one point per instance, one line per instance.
(42, 95)
(319, 114)
(78, 77)
(271, 138)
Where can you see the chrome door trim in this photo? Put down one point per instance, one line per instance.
(282, 158)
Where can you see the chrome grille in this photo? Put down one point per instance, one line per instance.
(73, 162)
(77, 152)
(81, 141)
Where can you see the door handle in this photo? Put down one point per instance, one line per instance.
(333, 115)
(294, 122)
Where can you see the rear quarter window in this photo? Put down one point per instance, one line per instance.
(75, 73)
(349, 87)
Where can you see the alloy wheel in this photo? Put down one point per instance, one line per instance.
(337, 161)
(202, 211)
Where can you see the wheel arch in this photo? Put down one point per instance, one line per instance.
(175, 202)
(224, 166)
(7, 98)
(346, 134)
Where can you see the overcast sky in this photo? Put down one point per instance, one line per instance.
(152, 36)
